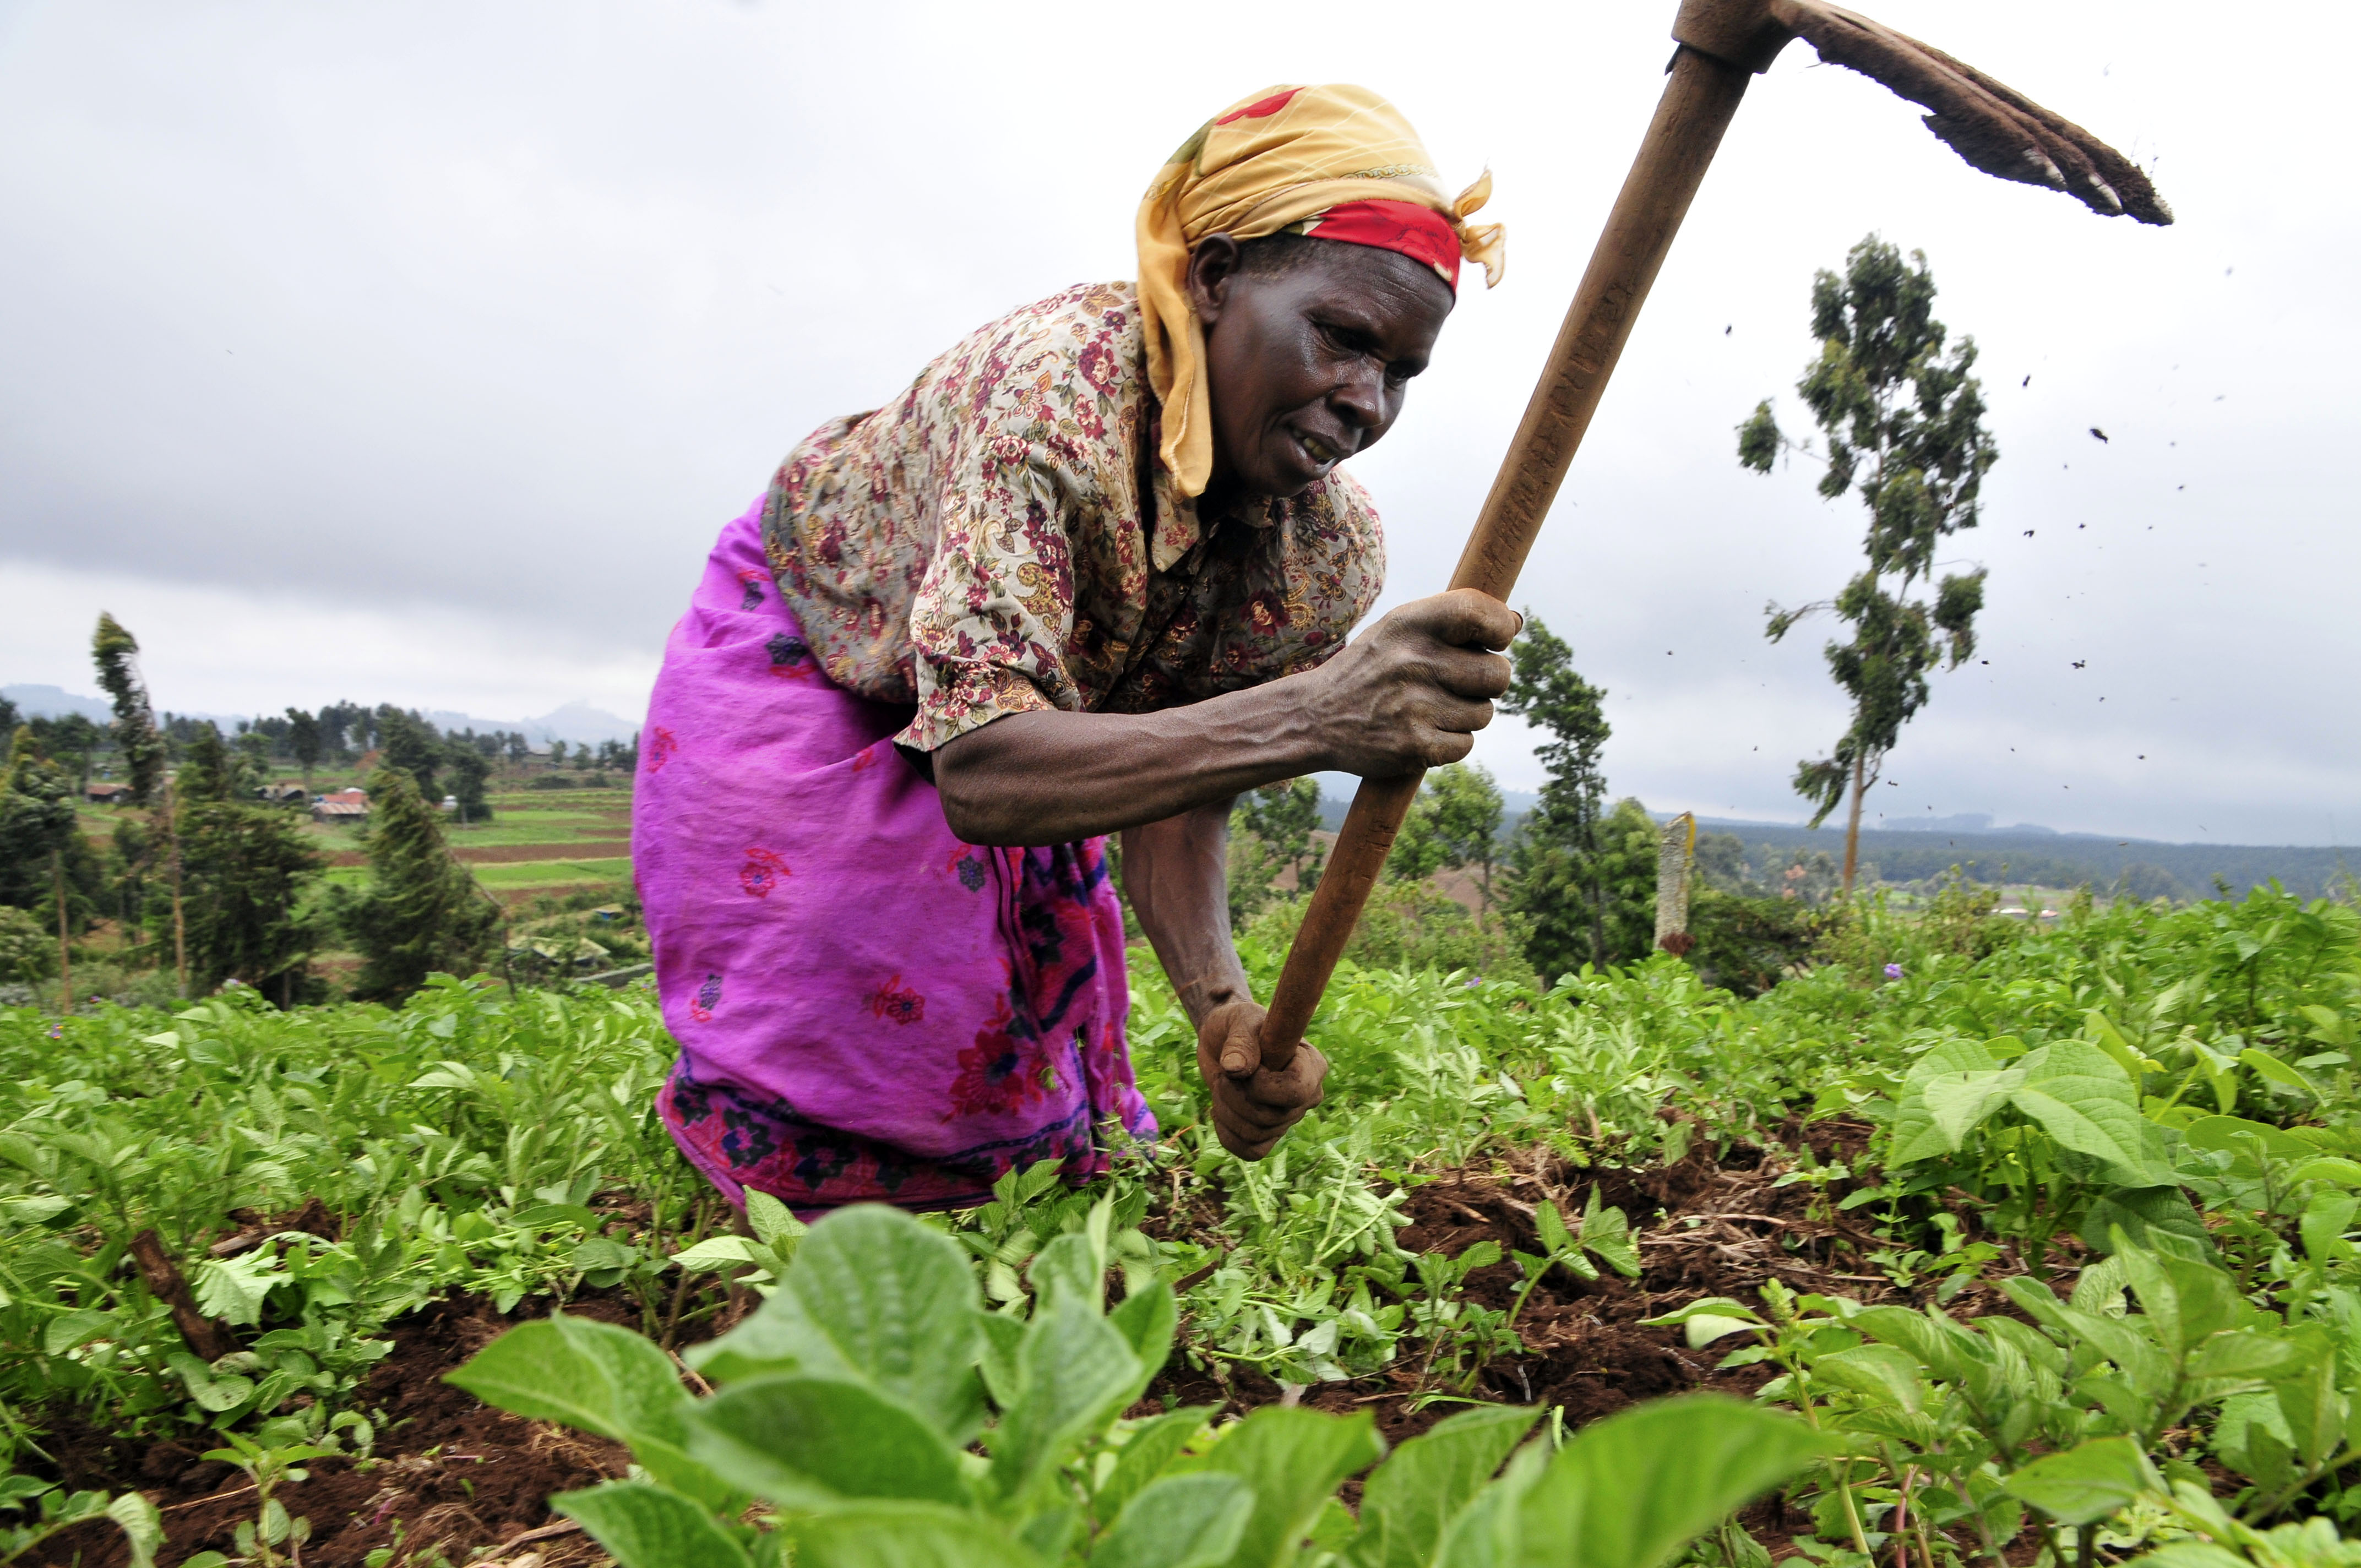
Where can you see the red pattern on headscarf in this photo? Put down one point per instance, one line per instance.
(1420, 233)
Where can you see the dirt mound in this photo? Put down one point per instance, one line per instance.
(451, 1475)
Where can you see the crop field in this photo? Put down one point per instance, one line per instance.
(1980, 1241)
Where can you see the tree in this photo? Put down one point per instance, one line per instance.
(1885, 396)
(422, 912)
(36, 823)
(116, 653)
(245, 868)
(1283, 815)
(469, 769)
(1558, 889)
(303, 742)
(1453, 824)
(411, 744)
(254, 751)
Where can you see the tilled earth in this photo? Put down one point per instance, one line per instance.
(457, 1478)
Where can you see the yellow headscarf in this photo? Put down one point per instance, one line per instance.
(1270, 161)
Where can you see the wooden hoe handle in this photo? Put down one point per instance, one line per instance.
(1698, 100)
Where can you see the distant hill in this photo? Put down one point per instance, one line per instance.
(2047, 858)
(56, 702)
(2025, 853)
(573, 723)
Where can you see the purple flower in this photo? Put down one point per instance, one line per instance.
(1893, 971)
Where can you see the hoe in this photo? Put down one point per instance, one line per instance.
(1722, 42)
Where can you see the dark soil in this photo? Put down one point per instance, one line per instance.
(456, 1477)
(452, 1476)
(1706, 1226)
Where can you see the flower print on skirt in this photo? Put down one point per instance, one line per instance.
(867, 1007)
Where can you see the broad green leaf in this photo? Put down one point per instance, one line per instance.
(2244, 1353)
(2192, 1554)
(1068, 1264)
(2344, 1172)
(1704, 1327)
(2252, 1436)
(715, 1252)
(1483, 1534)
(906, 1535)
(1883, 1372)
(601, 1379)
(582, 1373)
(2271, 1068)
(1294, 1459)
(1412, 1496)
(1916, 1137)
(2087, 1102)
(74, 1329)
(1959, 1101)
(1631, 1490)
(2236, 1135)
(213, 1391)
(2185, 1302)
(872, 1295)
(817, 1443)
(2085, 1485)
(2315, 1410)
(1607, 1232)
(652, 1527)
(1181, 1522)
(1148, 1318)
(774, 1223)
(2326, 1220)
(1550, 1225)
(2140, 1213)
(1931, 1340)
(2119, 1048)
(998, 1335)
(1710, 1306)
(234, 1288)
(1152, 1445)
(142, 1524)
(1073, 1368)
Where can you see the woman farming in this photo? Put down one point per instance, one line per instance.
(1092, 573)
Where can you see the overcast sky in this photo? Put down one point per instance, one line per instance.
(416, 352)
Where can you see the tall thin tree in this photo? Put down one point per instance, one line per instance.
(116, 653)
(1560, 884)
(1903, 424)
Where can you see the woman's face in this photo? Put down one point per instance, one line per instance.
(1307, 364)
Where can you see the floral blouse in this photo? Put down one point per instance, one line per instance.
(1003, 538)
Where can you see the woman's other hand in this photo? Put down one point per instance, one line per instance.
(1411, 692)
(1253, 1108)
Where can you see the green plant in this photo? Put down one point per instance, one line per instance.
(849, 1412)
(54, 1510)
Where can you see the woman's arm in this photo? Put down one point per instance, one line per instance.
(1407, 693)
(1176, 875)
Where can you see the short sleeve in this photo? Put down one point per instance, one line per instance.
(996, 604)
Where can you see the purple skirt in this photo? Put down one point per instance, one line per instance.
(868, 1009)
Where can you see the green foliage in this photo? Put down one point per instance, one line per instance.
(844, 1403)
(462, 1140)
(36, 827)
(409, 743)
(245, 869)
(1885, 395)
(116, 653)
(1453, 824)
(2162, 1100)
(1560, 887)
(421, 912)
